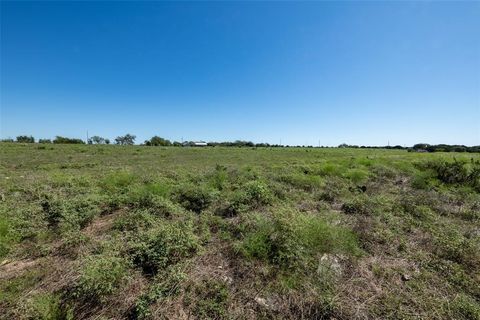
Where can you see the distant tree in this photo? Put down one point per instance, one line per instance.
(343, 145)
(44, 141)
(107, 141)
(127, 139)
(64, 140)
(26, 139)
(419, 146)
(158, 141)
(97, 140)
(7, 140)
(177, 144)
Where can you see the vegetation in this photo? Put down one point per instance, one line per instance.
(125, 140)
(129, 232)
(64, 140)
(25, 139)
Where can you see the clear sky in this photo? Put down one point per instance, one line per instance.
(355, 72)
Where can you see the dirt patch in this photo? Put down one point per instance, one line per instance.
(13, 269)
(101, 225)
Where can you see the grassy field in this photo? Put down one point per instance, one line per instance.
(109, 232)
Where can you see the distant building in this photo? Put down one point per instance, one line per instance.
(195, 144)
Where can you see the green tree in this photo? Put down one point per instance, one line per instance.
(26, 139)
(127, 139)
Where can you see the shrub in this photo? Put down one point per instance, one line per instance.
(332, 190)
(464, 307)
(25, 139)
(117, 181)
(163, 246)
(72, 213)
(357, 175)
(288, 239)
(257, 193)
(64, 140)
(194, 198)
(306, 182)
(165, 285)
(357, 205)
(211, 299)
(46, 306)
(457, 172)
(100, 276)
(219, 178)
(151, 195)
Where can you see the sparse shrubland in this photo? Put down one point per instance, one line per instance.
(123, 232)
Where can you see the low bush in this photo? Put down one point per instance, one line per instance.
(290, 238)
(100, 276)
(165, 285)
(194, 198)
(46, 306)
(164, 245)
(211, 298)
(466, 308)
(357, 175)
(117, 181)
(457, 172)
(74, 213)
(358, 205)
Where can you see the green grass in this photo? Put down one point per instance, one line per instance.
(117, 232)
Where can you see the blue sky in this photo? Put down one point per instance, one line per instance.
(356, 72)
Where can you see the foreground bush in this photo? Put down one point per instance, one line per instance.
(290, 238)
(100, 276)
(165, 245)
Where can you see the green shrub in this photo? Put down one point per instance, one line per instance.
(134, 220)
(211, 298)
(257, 193)
(334, 187)
(253, 195)
(290, 238)
(165, 285)
(423, 180)
(457, 172)
(73, 213)
(306, 182)
(330, 169)
(100, 276)
(5, 236)
(194, 198)
(46, 306)
(464, 307)
(358, 205)
(219, 178)
(117, 181)
(357, 175)
(163, 246)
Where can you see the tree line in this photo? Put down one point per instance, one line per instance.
(129, 139)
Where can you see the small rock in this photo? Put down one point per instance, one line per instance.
(261, 301)
(406, 277)
(220, 267)
(227, 279)
(330, 262)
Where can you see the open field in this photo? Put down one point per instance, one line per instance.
(111, 232)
